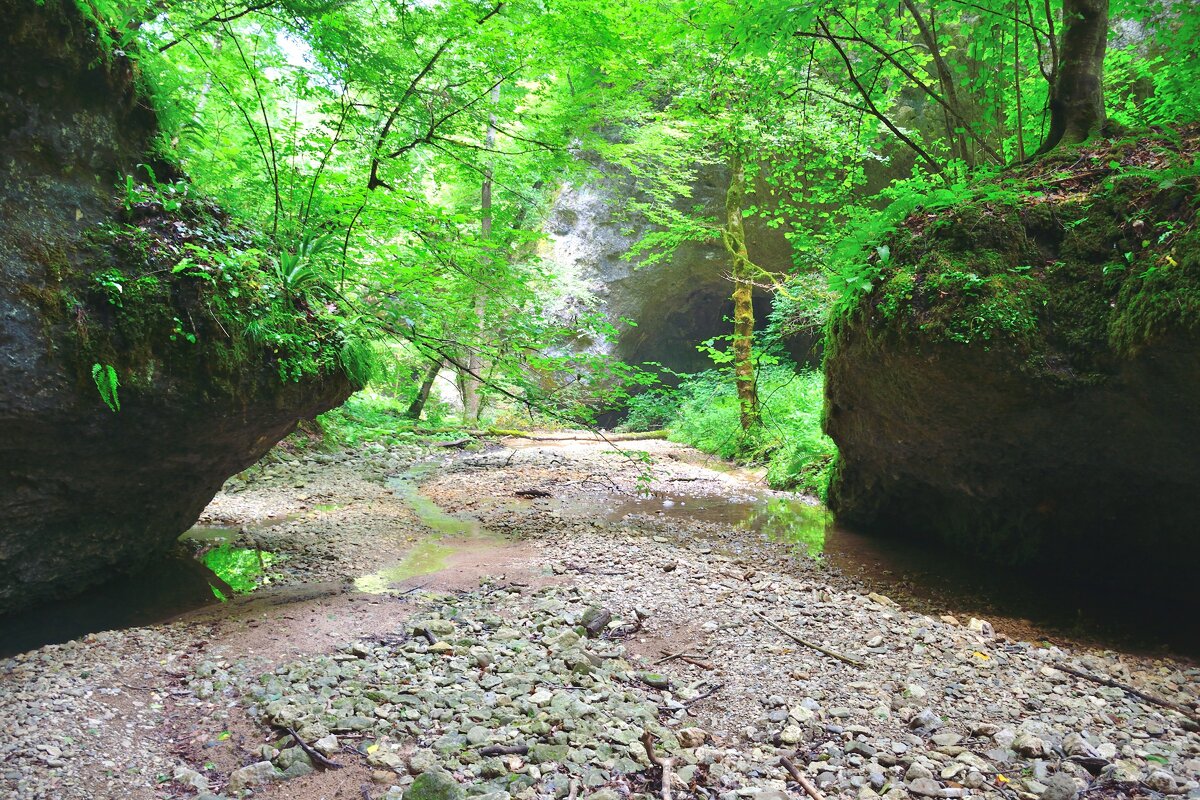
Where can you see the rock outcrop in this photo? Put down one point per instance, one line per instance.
(88, 294)
(1022, 378)
(675, 303)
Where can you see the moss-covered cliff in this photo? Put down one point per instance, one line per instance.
(116, 290)
(1021, 377)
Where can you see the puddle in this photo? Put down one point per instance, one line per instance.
(161, 590)
(451, 534)
(1030, 604)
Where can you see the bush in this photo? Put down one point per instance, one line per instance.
(652, 410)
(704, 413)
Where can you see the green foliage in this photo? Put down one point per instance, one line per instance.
(242, 568)
(107, 383)
(651, 410)
(373, 418)
(704, 413)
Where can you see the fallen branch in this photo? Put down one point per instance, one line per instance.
(610, 437)
(805, 784)
(1149, 698)
(813, 645)
(504, 750)
(456, 443)
(663, 763)
(312, 753)
(716, 687)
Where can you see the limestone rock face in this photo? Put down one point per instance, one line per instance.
(84, 489)
(675, 303)
(1022, 380)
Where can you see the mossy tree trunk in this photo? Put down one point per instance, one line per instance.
(1077, 90)
(734, 238)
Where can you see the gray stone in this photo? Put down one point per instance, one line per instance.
(1060, 787)
(925, 787)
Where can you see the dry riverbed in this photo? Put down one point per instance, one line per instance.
(527, 655)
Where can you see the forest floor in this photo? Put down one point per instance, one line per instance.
(397, 650)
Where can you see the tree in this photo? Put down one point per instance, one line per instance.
(1077, 92)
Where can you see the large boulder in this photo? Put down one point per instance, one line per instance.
(89, 293)
(1022, 378)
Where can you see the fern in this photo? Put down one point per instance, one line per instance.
(105, 376)
(361, 361)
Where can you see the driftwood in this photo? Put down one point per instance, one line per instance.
(854, 662)
(805, 784)
(664, 763)
(312, 753)
(529, 494)
(503, 750)
(575, 437)
(1149, 698)
(456, 443)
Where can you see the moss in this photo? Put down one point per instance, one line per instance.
(182, 294)
(1054, 279)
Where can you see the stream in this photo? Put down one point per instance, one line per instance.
(206, 570)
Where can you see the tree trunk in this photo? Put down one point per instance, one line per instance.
(734, 237)
(418, 404)
(470, 382)
(1077, 96)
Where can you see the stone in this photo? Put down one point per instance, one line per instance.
(980, 626)
(1060, 787)
(1161, 781)
(595, 619)
(940, 447)
(792, 734)
(925, 787)
(192, 778)
(87, 493)
(945, 739)
(1030, 746)
(654, 680)
(326, 745)
(925, 720)
(691, 737)
(546, 753)
(435, 784)
(916, 771)
(420, 761)
(256, 774)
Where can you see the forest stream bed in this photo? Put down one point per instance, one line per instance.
(405, 632)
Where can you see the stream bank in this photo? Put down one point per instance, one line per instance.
(432, 668)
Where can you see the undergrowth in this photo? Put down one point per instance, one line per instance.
(703, 412)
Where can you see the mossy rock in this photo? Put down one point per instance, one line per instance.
(1021, 381)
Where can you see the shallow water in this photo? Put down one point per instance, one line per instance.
(451, 533)
(1032, 604)
(162, 589)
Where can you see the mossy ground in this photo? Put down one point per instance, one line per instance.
(182, 293)
(1076, 261)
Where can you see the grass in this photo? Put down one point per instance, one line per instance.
(703, 412)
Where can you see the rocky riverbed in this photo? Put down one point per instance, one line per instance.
(566, 648)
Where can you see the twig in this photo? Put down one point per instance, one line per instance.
(819, 648)
(1136, 693)
(312, 753)
(664, 763)
(573, 792)
(799, 778)
(715, 688)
